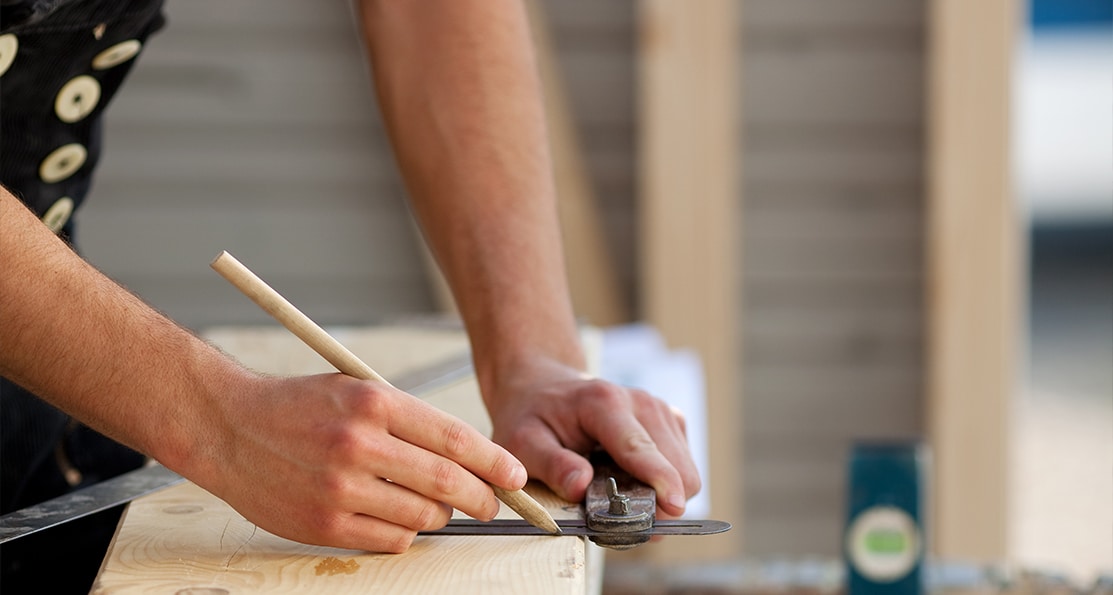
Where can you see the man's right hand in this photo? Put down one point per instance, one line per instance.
(327, 460)
(332, 460)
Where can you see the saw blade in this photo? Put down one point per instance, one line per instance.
(575, 527)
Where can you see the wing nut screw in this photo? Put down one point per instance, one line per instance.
(619, 503)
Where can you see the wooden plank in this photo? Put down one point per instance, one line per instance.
(974, 260)
(185, 539)
(689, 66)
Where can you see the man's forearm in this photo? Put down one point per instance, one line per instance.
(458, 87)
(303, 457)
(80, 341)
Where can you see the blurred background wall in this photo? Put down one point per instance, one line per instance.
(1064, 418)
(833, 185)
(255, 130)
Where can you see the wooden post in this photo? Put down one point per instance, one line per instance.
(688, 171)
(974, 278)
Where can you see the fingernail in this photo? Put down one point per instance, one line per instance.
(570, 480)
(677, 501)
(520, 475)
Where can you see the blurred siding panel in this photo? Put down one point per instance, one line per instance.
(833, 190)
(594, 43)
(256, 131)
(253, 128)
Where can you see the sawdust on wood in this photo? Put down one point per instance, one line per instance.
(333, 565)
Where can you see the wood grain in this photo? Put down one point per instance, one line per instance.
(184, 540)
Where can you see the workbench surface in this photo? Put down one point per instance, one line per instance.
(183, 540)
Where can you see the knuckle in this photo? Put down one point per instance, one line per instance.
(520, 436)
(325, 527)
(429, 516)
(681, 420)
(500, 467)
(491, 507)
(333, 486)
(398, 543)
(513, 440)
(692, 484)
(647, 402)
(371, 402)
(446, 479)
(457, 440)
(347, 444)
(638, 441)
(606, 394)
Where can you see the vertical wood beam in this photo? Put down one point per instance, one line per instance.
(690, 255)
(974, 275)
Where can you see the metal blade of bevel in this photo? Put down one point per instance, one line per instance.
(95, 498)
(134, 484)
(574, 527)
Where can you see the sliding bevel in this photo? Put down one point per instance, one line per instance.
(619, 512)
(575, 527)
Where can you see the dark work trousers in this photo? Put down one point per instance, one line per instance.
(61, 62)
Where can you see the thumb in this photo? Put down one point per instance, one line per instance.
(565, 471)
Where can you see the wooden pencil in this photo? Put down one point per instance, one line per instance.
(347, 362)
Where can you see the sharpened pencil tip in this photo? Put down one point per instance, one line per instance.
(550, 525)
(529, 509)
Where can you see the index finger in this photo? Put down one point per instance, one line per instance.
(631, 446)
(423, 425)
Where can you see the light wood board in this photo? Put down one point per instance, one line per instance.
(690, 216)
(974, 258)
(184, 540)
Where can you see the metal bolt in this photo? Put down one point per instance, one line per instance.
(619, 504)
